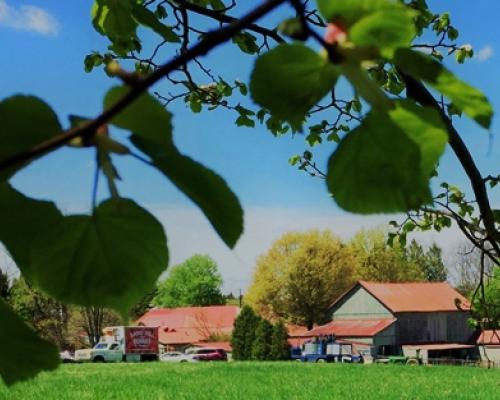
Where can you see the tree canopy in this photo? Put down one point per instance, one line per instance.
(300, 276)
(390, 136)
(303, 273)
(195, 282)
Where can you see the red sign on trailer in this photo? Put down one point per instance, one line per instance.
(141, 339)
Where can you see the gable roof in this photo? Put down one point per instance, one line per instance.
(411, 296)
(186, 325)
(416, 296)
(351, 327)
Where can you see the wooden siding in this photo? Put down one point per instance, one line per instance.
(359, 304)
(451, 327)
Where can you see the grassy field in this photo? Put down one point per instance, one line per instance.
(257, 381)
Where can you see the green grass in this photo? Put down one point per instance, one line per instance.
(257, 381)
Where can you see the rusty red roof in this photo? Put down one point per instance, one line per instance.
(416, 296)
(186, 325)
(489, 337)
(351, 328)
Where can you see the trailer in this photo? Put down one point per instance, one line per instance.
(123, 343)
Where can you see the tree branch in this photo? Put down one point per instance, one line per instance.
(218, 16)
(419, 92)
(212, 40)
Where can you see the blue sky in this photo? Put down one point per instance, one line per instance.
(43, 46)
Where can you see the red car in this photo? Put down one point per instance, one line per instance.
(208, 354)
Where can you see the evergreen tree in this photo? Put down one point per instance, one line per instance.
(280, 349)
(435, 270)
(261, 347)
(244, 333)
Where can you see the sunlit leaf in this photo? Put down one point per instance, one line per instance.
(385, 164)
(350, 11)
(386, 29)
(290, 79)
(465, 97)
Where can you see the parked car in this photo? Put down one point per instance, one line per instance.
(208, 354)
(177, 356)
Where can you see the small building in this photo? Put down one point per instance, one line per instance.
(391, 316)
(489, 346)
(183, 327)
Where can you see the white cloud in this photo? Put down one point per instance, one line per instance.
(28, 18)
(189, 232)
(484, 53)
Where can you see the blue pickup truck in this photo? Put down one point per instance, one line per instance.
(319, 350)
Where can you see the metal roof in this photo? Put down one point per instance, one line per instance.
(185, 325)
(416, 296)
(351, 327)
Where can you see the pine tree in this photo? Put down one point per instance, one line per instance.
(280, 349)
(261, 347)
(244, 333)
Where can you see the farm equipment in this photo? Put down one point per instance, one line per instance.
(123, 343)
(321, 350)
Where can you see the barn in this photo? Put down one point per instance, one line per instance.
(183, 327)
(397, 318)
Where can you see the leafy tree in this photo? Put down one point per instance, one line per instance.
(195, 282)
(113, 256)
(300, 276)
(48, 317)
(261, 346)
(377, 261)
(431, 263)
(243, 335)
(280, 349)
(88, 323)
(487, 307)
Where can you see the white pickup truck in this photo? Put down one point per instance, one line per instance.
(123, 343)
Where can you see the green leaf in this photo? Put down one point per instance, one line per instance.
(465, 97)
(204, 187)
(246, 42)
(293, 28)
(23, 353)
(152, 134)
(384, 165)
(113, 19)
(25, 122)
(290, 79)
(148, 18)
(23, 219)
(386, 29)
(349, 11)
(145, 117)
(496, 216)
(109, 259)
(365, 86)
